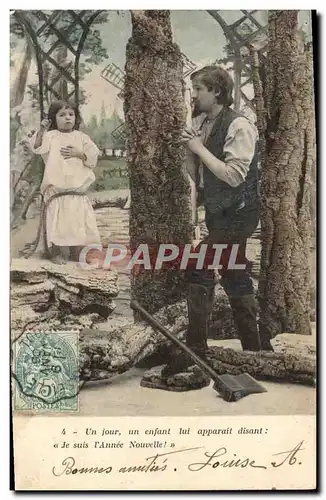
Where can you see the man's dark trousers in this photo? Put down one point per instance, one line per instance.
(234, 228)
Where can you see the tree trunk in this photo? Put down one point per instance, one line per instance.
(311, 153)
(285, 187)
(258, 85)
(18, 90)
(155, 115)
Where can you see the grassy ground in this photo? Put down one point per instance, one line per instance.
(111, 174)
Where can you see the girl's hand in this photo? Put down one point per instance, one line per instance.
(45, 124)
(71, 152)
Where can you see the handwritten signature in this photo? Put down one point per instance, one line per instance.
(159, 462)
(288, 457)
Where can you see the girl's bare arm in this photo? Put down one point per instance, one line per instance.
(39, 136)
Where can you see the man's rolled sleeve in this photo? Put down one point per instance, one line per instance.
(239, 149)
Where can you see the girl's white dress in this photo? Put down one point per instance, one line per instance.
(71, 219)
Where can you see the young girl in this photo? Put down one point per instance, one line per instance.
(70, 157)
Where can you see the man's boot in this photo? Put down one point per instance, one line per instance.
(244, 310)
(200, 303)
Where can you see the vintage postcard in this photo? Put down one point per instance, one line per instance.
(163, 241)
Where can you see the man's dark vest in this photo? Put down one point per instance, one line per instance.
(221, 199)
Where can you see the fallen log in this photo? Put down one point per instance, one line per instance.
(107, 352)
(79, 299)
(54, 297)
(49, 296)
(104, 354)
(271, 366)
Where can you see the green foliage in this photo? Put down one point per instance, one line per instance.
(16, 29)
(34, 93)
(93, 48)
(93, 51)
(100, 130)
(244, 30)
(17, 33)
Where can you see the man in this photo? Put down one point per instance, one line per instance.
(223, 170)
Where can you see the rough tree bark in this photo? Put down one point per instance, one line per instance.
(311, 141)
(155, 115)
(258, 85)
(285, 184)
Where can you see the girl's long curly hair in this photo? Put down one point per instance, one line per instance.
(56, 106)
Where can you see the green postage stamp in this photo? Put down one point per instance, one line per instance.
(45, 371)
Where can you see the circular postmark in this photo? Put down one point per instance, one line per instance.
(46, 370)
